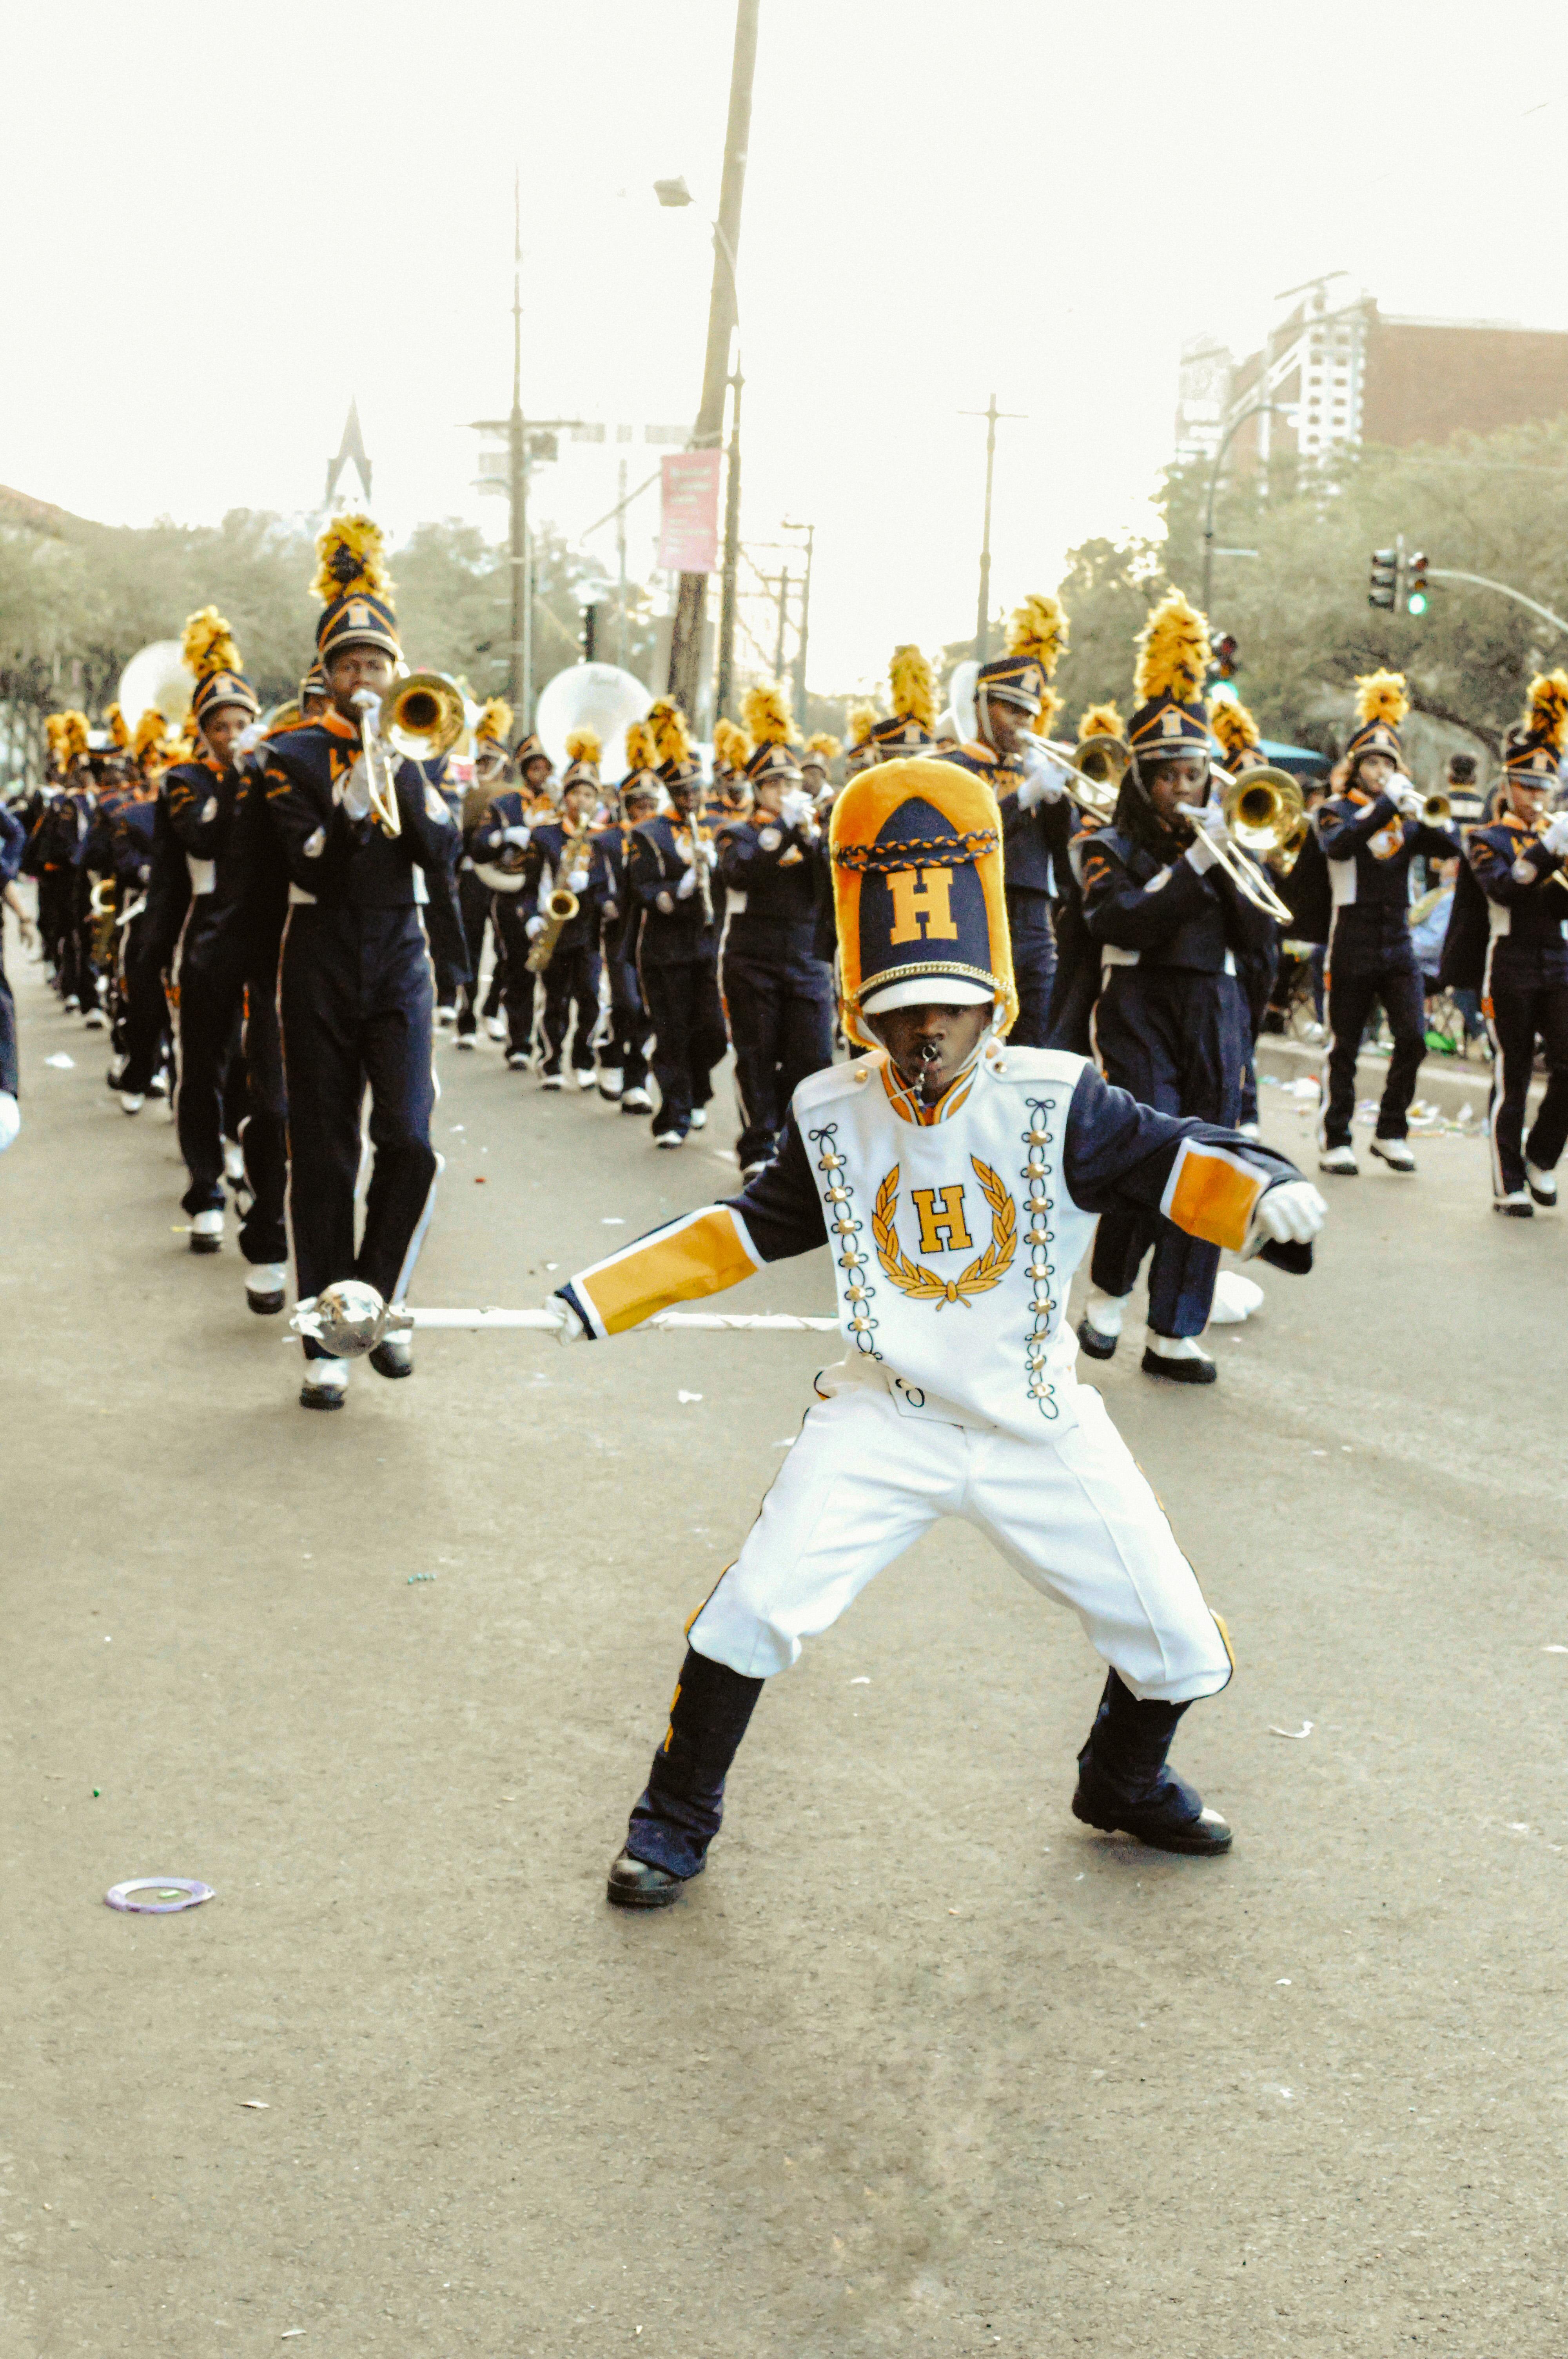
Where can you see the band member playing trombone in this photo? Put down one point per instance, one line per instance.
(670, 878)
(498, 846)
(491, 768)
(1241, 744)
(562, 921)
(777, 993)
(1162, 899)
(1371, 832)
(369, 850)
(1505, 939)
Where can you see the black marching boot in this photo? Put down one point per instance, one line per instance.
(1124, 1786)
(677, 1814)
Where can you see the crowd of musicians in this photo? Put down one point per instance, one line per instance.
(273, 919)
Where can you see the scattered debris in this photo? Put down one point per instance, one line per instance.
(688, 1397)
(61, 1063)
(861, 1682)
(612, 1221)
(1304, 1730)
(256, 2104)
(168, 1893)
(420, 1576)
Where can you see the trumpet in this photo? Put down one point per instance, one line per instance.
(377, 756)
(1436, 811)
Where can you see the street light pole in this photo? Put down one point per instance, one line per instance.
(724, 688)
(521, 670)
(1278, 410)
(804, 639)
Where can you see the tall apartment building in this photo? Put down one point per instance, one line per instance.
(1342, 373)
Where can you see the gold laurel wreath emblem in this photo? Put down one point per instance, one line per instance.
(923, 1284)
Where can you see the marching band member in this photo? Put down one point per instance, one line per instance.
(1170, 1025)
(777, 992)
(817, 769)
(1075, 986)
(498, 847)
(560, 859)
(957, 1179)
(1516, 859)
(1240, 744)
(1014, 706)
(669, 877)
(624, 1078)
(152, 933)
(911, 726)
(860, 750)
(355, 983)
(491, 768)
(731, 795)
(1370, 834)
(12, 843)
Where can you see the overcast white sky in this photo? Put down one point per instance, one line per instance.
(221, 222)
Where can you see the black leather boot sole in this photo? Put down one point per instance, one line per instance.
(1179, 1372)
(637, 1883)
(1200, 1838)
(264, 1305)
(1097, 1346)
(391, 1362)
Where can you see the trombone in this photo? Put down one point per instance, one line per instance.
(1264, 816)
(425, 717)
(1092, 775)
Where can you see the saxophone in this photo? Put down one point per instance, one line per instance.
(562, 906)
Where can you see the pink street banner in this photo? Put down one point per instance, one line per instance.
(688, 511)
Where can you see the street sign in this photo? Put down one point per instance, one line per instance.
(688, 511)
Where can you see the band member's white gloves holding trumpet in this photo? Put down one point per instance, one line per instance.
(1405, 799)
(1555, 840)
(1043, 779)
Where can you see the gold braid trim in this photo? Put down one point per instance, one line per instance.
(987, 1269)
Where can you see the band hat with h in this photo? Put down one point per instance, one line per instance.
(677, 755)
(917, 894)
(771, 727)
(352, 580)
(642, 773)
(531, 748)
(821, 752)
(493, 728)
(207, 647)
(912, 727)
(731, 748)
(1237, 733)
(1532, 751)
(1036, 642)
(1171, 719)
(1381, 704)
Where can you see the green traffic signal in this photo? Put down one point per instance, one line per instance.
(1416, 603)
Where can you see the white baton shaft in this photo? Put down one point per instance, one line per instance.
(770, 1322)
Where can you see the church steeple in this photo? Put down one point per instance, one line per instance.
(352, 446)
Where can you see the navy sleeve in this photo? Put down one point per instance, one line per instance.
(781, 1207)
(1134, 916)
(1342, 830)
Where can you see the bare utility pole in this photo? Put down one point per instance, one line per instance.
(686, 636)
(801, 643)
(982, 616)
(521, 672)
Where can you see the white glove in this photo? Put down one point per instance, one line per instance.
(688, 884)
(353, 793)
(1042, 781)
(209, 810)
(569, 1327)
(514, 836)
(1289, 1213)
(1405, 799)
(796, 808)
(535, 927)
(1556, 837)
(665, 904)
(10, 1119)
(1208, 832)
(577, 881)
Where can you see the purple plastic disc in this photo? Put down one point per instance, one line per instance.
(171, 1892)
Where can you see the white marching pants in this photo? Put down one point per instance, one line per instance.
(1074, 1515)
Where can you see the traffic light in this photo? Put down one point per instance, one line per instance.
(1224, 656)
(1384, 587)
(1417, 596)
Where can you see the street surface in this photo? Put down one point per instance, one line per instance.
(920, 2066)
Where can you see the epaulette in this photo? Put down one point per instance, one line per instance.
(835, 1082)
(1058, 1065)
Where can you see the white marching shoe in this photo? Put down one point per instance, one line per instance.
(233, 1162)
(133, 1102)
(1099, 1328)
(699, 1117)
(496, 1027)
(1341, 1160)
(517, 1060)
(444, 1016)
(206, 1232)
(610, 1082)
(587, 1079)
(670, 1139)
(1395, 1153)
(1543, 1185)
(636, 1101)
(553, 1080)
(1180, 1357)
(325, 1385)
(94, 1020)
(466, 1040)
(265, 1285)
(1235, 1298)
(1516, 1205)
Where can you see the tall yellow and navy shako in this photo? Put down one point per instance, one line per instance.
(860, 721)
(1171, 719)
(912, 692)
(210, 650)
(531, 748)
(149, 742)
(732, 749)
(641, 776)
(678, 765)
(491, 731)
(771, 726)
(821, 752)
(71, 746)
(583, 750)
(1239, 736)
(1036, 642)
(1532, 751)
(1101, 720)
(1381, 706)
(119, 735)
(917, 894)
(352, 580)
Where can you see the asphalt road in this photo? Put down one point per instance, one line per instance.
(920, 2066)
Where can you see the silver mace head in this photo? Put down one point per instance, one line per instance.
(349, 1319)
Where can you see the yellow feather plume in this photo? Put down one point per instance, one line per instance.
(1038, 628)
(205, 643)
(765, 710)
(828, 747)
(583, 745)
(638, 746)
(1101, 720)
(1234, 728)
(860, 721)
(731, 747)
(494, 724)
(1380, 696)
(151, 730)
(1546, 710)
(73, 736)
(350, 557)
(672, 738)
(119, 735)
(913, 686)
(1172, 652)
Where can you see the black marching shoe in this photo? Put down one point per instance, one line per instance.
(637, 1883)
(1097, 1346)
(393, 1356)
(1126, 1788)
